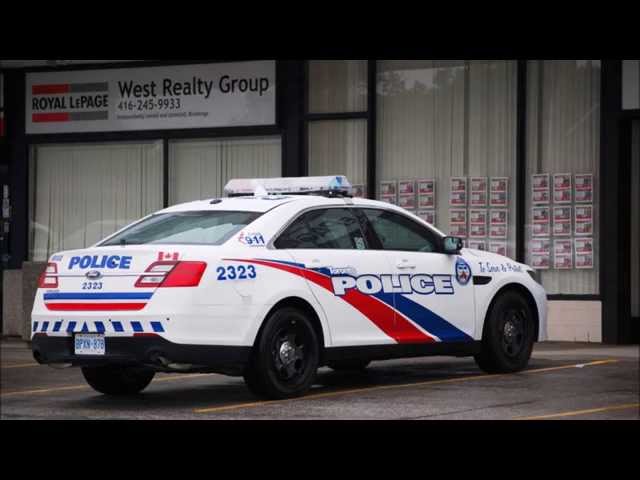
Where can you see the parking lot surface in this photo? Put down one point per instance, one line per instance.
(562, 381)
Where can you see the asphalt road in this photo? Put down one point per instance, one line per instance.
(563, 381)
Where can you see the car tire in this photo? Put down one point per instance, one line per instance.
(508, 335)
(118, 380)
(354, 365)
(284, 361)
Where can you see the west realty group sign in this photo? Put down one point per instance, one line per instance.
(152, 98)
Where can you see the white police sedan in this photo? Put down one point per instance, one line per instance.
(280, 277)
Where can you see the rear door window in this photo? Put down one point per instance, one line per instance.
(330, 228)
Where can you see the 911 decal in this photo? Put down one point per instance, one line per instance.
(251, 239)
(236, 272)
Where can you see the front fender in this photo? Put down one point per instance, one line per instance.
(485, 294)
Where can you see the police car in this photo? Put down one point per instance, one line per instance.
(278, 278)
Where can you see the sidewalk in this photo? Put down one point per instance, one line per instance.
(583, 348)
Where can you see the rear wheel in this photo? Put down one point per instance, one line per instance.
(284, 360)
(349, 365)
(508, 335)
(118, 380)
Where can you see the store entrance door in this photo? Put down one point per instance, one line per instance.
(634, 223)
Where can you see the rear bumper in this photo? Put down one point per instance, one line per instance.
(145, 350)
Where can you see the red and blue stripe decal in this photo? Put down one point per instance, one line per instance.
(396, 315)
(96, 301)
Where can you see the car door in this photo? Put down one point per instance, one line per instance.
(433, 295)
(331, 250)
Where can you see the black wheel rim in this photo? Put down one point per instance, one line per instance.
(289, 351)
(514, 332)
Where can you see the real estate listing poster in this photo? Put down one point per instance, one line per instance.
(406, 187)
(458, 192)
(477, 223)
(540, 189)
(562, 221)
(388, 191)
(583, 220)
(428, 216)
(478, 244)
(499, 192)
(407, 201)
(359, 191)
(562, 188)
(584, 253)
(583, 189)
(541, 218)
(478, 192)
(540, 251)
(563, 254)
(458, 223)
(426, 193)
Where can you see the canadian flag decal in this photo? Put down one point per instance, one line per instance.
(168, 256)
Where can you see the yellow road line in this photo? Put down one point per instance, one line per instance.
(43, 390)
(387, 387)
(625, 406)
(577, 365)
(83, 386)
(20, 365)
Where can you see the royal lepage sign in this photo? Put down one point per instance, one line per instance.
(153, 98)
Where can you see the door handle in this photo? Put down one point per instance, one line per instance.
(404, 264)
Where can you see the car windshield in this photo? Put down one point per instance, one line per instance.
(189, 228)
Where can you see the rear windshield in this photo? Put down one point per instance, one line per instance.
(188, 228)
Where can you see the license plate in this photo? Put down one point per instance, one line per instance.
(89, 344)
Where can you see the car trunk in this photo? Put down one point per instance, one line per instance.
(106, 278)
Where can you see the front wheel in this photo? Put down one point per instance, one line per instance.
(284, 360)
(118, 380)
(508, 335)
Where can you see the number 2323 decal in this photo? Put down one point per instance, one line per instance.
(233, 272)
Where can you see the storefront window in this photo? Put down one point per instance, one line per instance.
(82, 193)
(446, 146)
(563, 177)
(339, 147)
(337, 142)
(337, 86)
(200, 168)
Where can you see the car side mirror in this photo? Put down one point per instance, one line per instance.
(452, 245)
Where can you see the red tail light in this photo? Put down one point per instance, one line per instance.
(49, 278)
(172, 274)
(185, 274)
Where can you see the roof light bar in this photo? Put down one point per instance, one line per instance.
(336, 184)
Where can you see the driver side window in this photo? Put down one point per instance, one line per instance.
(397, 232)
